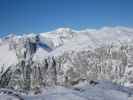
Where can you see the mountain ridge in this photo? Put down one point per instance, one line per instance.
(65, 39)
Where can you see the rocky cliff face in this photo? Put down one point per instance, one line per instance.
(66, 57)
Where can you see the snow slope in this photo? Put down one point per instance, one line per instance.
(104, 90)
(7, 56)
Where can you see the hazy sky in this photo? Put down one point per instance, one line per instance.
(19, 16)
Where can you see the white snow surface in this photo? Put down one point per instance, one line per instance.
(7, 56)
(104, 90)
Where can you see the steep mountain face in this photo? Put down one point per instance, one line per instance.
(67, 57)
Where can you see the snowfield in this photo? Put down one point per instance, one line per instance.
(103, 90)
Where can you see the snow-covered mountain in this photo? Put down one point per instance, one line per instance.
(67, 57)
(66, 39)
